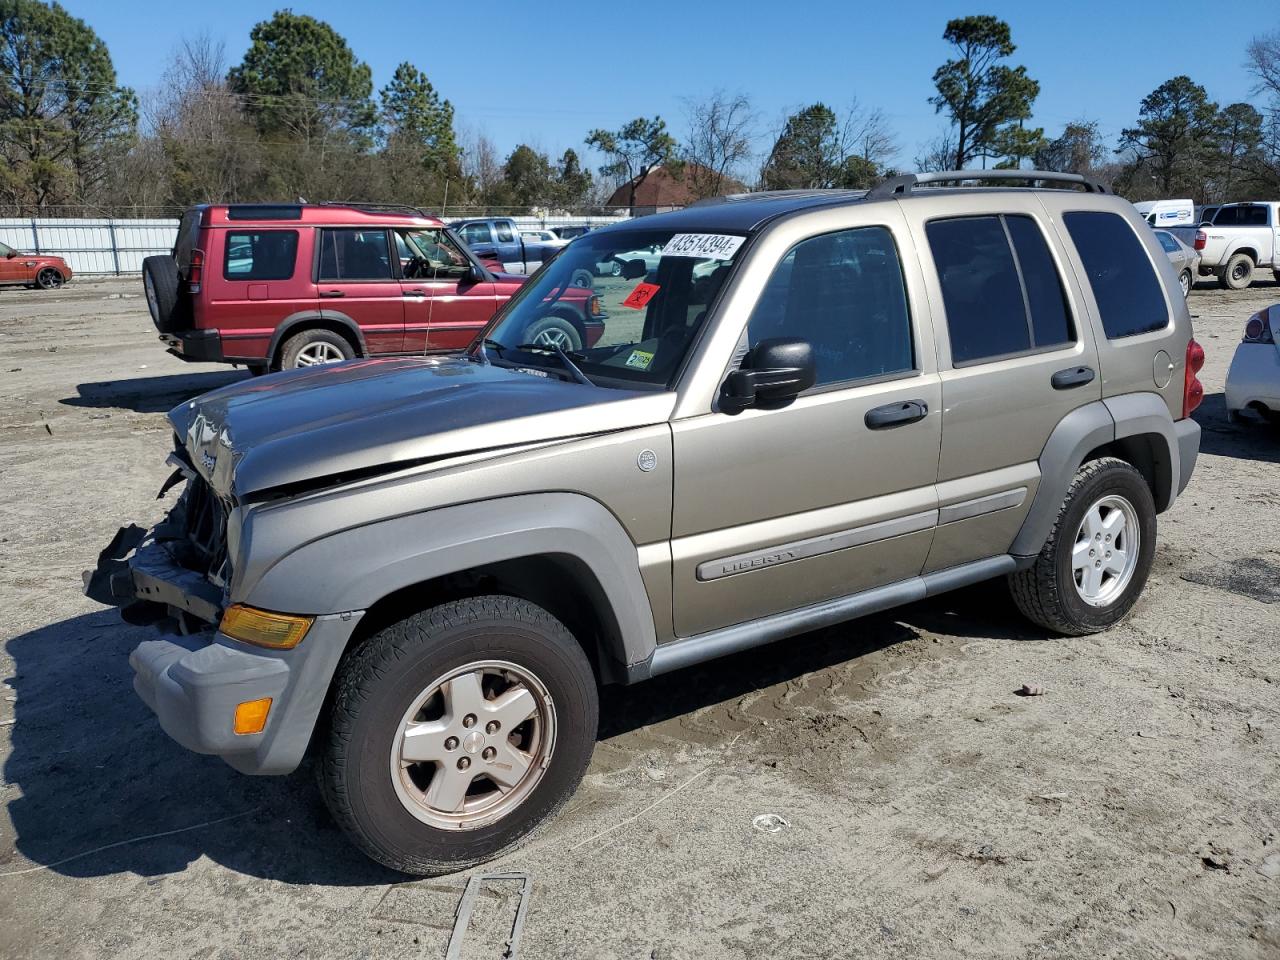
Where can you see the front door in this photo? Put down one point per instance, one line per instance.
(12, 266)
(445, 306)
(356, 281)
(1016, 354)
(776, 509)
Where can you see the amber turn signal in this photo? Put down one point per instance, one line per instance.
(251, 716)
(279, 631)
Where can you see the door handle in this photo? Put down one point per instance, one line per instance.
(1072, 377)
(332, 293)
(415, 293)
(896, 414)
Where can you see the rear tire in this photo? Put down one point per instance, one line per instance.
(1053, 591)
(1238, 273)
(386, 804)
(315, 347)
(554, 331)
(160, 283)
(1187, 282)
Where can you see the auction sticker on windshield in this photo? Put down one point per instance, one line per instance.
(709, 246)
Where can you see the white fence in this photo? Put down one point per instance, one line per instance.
(114, 247)
(102, 247)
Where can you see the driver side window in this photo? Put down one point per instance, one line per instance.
(845, 294)
(429, 253)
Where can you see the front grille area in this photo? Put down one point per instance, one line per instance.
(201, 519)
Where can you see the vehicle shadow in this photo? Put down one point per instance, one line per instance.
(94, 770)
(151, 394)
(1251, 439)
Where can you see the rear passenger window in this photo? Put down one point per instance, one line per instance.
(844, 293)
(504, 232)
(477, 233)
(260, 255)
(1000, 287)
(1170, 245)
(1129, 295)
(354, 255)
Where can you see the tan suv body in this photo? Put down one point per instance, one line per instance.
(814, 406)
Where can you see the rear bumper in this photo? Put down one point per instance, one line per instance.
(1254, 377)
(1187, 432)
(193, 683)
(195, 346)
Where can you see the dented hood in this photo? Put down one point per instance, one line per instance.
(355, 419)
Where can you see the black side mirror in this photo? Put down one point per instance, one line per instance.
(11, 254)
(774, 372)
(633, 269)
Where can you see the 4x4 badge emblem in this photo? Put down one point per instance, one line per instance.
(647, 460)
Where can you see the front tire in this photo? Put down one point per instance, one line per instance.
(455, 733)
(49, 279)
(1096, 559)
(554, 331)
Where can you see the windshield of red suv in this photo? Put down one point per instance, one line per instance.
(651, 290)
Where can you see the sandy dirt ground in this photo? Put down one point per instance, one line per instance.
(926, 810)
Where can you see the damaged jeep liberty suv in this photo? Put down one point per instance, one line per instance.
(813, 405)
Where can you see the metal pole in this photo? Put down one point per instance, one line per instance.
(115, 251)
(35, 236)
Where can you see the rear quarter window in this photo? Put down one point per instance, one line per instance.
(1125, 286)
(260, 254)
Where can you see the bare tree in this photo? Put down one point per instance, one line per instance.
(1264, 64)
(815, 148)
(719, 141)
(938, 154)
(481, 168)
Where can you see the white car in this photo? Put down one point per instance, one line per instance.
(649, 256)
(544, 237)
(1253, 382)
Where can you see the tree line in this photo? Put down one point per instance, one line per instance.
(298, 117)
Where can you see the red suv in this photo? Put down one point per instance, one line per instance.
(278, 286)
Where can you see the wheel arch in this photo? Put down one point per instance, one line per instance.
(1136, 428)
(338, 323)
(564, 551)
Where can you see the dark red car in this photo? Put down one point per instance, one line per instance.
(32, 269)
(278, 286)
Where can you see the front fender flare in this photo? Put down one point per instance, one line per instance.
(354, 568)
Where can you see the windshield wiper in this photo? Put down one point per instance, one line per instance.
(483, 355)
(559, 351)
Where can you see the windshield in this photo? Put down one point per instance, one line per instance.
(623, 307)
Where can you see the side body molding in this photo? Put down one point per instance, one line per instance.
(354, 568)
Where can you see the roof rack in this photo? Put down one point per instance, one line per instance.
(374, 207)
(832, 192)
(899, 186)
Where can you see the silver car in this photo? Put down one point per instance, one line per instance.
(816, 405)
(1185, 259)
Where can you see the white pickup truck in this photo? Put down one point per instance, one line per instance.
(1241, 238)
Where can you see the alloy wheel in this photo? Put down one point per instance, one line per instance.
(49, 279)
(1105, 554)
(314, 354)
(473, 745)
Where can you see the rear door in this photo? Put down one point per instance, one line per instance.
(12, 267)
(256, 277)
(510, 247)
(356, 281)
(776, 509)
(445, 307)
(1015, 355)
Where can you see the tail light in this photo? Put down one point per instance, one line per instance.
(1201, 239)
(594, 306)
(1192, 388)
(1258, 329)
(195, 271)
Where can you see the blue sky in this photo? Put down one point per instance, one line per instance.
(546, 72)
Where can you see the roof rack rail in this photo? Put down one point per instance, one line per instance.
(899, 186)
(375, 207)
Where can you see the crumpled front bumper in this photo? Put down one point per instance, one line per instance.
(194, 682)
